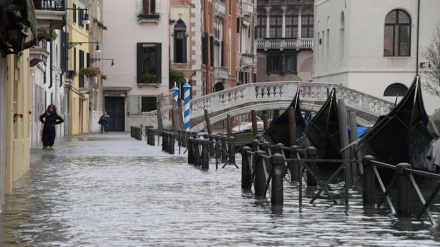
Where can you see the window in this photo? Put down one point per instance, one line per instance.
(307, 23)
(276, 23)
(149, 6)
(261, 24)
(397, 34)
(282, 63)
(292, 23)
(149, 61)
(395, 89)
(81, 65)
(74, 13)
(148, 104)
(180, 42)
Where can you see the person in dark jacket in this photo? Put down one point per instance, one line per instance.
(49, 119)
(104, 121)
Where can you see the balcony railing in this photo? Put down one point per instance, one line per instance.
(281, 44)
(219, 9)
(54, 5)
(220, 73)
(247, 9)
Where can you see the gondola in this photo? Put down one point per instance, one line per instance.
(279, 129)
(322, 131)
(401, 135)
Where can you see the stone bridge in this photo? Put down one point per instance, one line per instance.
(272, 96)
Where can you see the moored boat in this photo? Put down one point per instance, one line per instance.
(401, 135)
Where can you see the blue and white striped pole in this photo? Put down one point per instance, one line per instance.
(175, 93)
(186, 108)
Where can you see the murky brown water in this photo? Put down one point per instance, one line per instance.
(112, 190)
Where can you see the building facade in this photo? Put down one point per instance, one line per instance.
(378, 53)
(138, 40)
(18, 33)
(212, 43)
(285, 40)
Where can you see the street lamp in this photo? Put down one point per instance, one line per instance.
(92, 60)
(69, 45)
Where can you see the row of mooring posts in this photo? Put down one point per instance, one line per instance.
(265, 166)
(136, 132)
(200, 148)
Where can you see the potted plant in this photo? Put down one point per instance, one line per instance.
(71, 73)
(150, 78)
(90, 71)
(104, 76)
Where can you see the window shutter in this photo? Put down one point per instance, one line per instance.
(283, 64)
(133, 104)
(205, 48)
(74, 58)
(222, 53)
(184, 60)
(211, 47)
(139, 62)
(268, 64)
(64, 53)
(159, 61)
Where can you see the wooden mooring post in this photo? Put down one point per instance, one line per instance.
(260, 174)
(277, 191)
(403, 188)
(246, 171)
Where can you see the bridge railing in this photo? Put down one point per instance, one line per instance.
(265, 92)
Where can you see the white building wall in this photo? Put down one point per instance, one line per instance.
(363, 66)
(119, 42)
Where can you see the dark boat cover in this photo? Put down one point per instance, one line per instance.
(401, 135)
(278, 131)
(323, 130)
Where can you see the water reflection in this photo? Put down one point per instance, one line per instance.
(117, 191)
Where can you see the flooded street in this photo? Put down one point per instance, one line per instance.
(113, 190)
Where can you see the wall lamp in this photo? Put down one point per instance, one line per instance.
(69, 45)
(92, 60)
(86, 19)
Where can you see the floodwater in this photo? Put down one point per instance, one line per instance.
(112, 190)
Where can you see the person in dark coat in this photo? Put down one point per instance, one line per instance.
(49, 119)
(104, 121)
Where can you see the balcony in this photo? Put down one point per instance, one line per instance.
(38, 54)
(219, 9)
(49, 14)
(220, 73)
(148, 17)
(281, 44)
(246, 61)
(247, 9)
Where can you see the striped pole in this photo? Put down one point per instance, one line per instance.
(187, 110)
(175, 93)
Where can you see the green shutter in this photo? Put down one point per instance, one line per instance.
(159, 61)
(268, 64)
(139, 62)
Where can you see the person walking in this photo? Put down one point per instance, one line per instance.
(104, 121)
(49, 119)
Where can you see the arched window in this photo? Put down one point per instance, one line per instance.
(180, 42)
(276, 23)
(261, 24)
(292, 23)
(307, 23)
(395, 89)
(397, 34)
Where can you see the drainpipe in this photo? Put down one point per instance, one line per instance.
(417, 39)
(51, 65)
